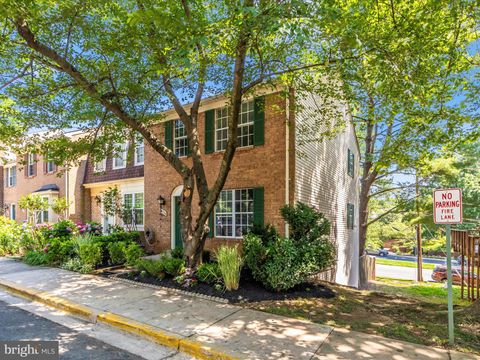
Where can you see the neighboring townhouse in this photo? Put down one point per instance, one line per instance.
(29, 173)
(124, 171)
(272, 167)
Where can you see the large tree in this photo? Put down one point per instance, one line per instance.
(110, 68)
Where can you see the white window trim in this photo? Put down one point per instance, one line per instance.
(30, 164)
(53, 167)
(124, 157)
(234, 213)
(134, 194)
(104, 166)
(178, 138)
(135, 161)
(12, 212)
(42, 212)
(239, 126)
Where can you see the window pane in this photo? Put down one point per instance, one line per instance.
(180, 139)
(128, 201)
(138, 216)
(139, 201)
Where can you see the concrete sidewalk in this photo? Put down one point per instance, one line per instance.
(223, 331)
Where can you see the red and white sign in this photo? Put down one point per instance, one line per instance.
(447, 206)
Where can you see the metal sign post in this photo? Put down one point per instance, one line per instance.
(447, 210)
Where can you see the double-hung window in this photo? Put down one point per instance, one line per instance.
(120, 158)
(49, 165)
(234, 213)
(42, 216)
(245, 126)
(139, 151)
(11, 176)
(350, 216)
(100, 166)
(180, 140)
(31, 164)
(133, 204)
(351, 163)
(13, 211)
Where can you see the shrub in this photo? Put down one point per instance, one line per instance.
(35, 258)
(173, 266)
(155, 268)
(10, 235)
(90, 253)
(90, 227)
(281, 263)
(266, 233)
(229, 263)
(116, 252)
(59, 250)
(64, 228)
(209, 273)
(133, 253)
(178, 253)
(75, 264)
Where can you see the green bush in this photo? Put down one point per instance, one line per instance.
(116, 252)
(173, 266)
(178, 253)
(35, 258)
(230, 264)
(155, 268)
(209, 273)
(281, 263)
(90, 253)
(10, 235)
(133, 253)
(75, 264)
(59, 250)
(63, 228)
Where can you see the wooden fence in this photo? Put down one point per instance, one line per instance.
(467, 247)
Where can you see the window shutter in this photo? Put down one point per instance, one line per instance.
(169, 134)
(211, 224)
(35, 163)
(258, 206)
(259, 121)
(25, 167)
(351, 163)
(350, 213)
(209, 131)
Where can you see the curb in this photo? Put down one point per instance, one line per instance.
(162, 337)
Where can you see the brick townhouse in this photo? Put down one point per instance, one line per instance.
(23, 174)
(271, 167)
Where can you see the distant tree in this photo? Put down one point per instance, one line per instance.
(33, 203)
(60, 206)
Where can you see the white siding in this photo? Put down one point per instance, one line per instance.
(321, 180)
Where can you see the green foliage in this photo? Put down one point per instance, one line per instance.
(75, 264)
(60, 206)
(209, 273)
(63, 228)
(178, 253)
(35, 258)
(229, 264)
(133, 253)
(266, 233)
(90, 253)
(155, 268)
(281, 263)
(59, 250)
(117, 252)
(173, 266)
(32, 203)
(11, 234)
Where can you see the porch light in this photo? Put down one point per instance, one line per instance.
(161, 201)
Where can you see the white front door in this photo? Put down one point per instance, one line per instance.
(107, 222)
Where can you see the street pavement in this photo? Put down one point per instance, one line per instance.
(236, 331)
(18, 324)
(401, 272)
(411, 258)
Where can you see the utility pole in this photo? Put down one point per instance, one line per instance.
(419, 231)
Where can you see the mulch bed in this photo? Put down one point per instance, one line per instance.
(248, 292)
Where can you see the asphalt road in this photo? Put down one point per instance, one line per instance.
(401, 272)
(411, 258)
(18, 324)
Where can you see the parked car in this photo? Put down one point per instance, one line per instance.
(439, 274)
(383, 252)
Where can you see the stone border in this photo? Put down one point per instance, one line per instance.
(177, 291)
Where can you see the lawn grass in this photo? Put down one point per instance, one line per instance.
(398, 309)
(409, 264)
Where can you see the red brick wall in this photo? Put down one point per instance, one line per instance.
(260, 166)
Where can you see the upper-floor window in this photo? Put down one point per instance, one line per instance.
(133, 204)
(120, 158)
(234, 213)
(351, 163)
(11, 176)
(180, 140)
(30, 164)
(49, 165)
(139, 151)
(245, 129)
(100, 166)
